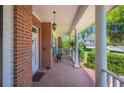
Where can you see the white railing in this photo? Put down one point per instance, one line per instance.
(65, 51)
(72, 54)
(73, 57)
(113, 80)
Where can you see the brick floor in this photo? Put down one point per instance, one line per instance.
(63, 74)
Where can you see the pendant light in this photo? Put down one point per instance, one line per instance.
(54, 24)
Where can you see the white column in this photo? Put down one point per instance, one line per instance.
(73, 54)
(76, 49)
(101, 56)
(56, 46)
(70, 51)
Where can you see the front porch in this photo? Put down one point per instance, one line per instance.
(64, 75)
(29, 42)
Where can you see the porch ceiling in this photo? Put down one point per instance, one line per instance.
(65, 15)
(88, 18)
(68, 17)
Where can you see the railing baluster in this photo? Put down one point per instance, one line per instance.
(121, 84)
(111, 80)
(108, 80)
(114, 82)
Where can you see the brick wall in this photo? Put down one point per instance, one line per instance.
(22, 45)
(37, 23)
(46, 44)
(23, 21)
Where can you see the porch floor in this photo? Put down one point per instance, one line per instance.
(62, 74)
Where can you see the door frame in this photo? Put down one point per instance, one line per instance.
(37, 43)
(1, 47)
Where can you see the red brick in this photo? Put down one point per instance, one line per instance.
(22, 46)
(47, 44)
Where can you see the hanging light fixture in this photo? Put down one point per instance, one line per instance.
(54, 24)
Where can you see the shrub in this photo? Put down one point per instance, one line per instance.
(88, 49)
(81, 56)
(115, 62)
(91, 60)
(80, 52)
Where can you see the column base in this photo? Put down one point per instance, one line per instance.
(76, 66)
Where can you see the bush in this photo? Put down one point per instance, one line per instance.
(115, 62)
(88, 49)
(80, 52)
(91, 60)
(81, 56)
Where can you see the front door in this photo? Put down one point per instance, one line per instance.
(35, 56)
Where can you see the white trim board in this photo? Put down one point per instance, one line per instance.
(7, 46)
(36, 16)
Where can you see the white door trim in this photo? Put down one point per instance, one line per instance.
(36, 35)
(1, 43)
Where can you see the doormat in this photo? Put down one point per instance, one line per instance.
(37, 76)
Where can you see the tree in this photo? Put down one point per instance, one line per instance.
(68, 41)
(115, 26)
(81, 47)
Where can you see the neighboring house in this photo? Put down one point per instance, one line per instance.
(89, 37)
(90, 40)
